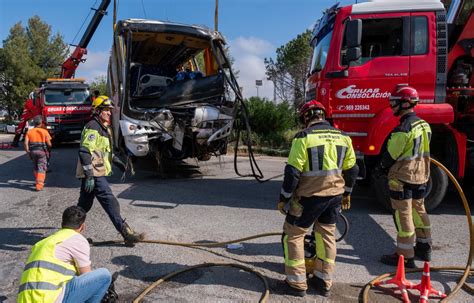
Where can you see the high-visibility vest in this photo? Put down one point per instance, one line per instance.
(321, 153)
(96, 139)
(409, 145)
(44, 275)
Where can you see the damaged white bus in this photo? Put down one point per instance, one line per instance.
(174, 92)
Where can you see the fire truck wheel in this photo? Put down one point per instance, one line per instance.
(436, 189)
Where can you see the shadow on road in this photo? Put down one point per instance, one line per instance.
(14, 238)
(136, 268)
(18, 172)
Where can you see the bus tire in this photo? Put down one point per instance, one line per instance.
(435, 190)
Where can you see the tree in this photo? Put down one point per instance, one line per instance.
(289, 70)
(100, 84)
(270, 121)
(28, 56)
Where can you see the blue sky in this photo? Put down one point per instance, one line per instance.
(253, 28)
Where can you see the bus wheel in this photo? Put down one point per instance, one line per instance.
(435, 189)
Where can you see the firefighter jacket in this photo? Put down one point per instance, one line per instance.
(321, 163)
(408, 151)
(95, 153)
(44, 275)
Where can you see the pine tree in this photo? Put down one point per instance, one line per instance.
(28, 56)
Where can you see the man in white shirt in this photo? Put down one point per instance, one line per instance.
(59, 267)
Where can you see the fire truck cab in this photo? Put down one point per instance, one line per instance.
(361, 53)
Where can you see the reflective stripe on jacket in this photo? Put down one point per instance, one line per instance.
(95, 153)
(37, 138)
(409, 145)
(320, 153)
(44, 275)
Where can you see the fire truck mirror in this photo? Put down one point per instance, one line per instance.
(354, 33)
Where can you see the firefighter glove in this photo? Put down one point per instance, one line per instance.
(346, 202)
(282, 202)
(89, 184)
(119, 163)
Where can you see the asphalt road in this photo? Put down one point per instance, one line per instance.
(206, 202)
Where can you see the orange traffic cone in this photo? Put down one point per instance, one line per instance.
(425, 288)
(399, 280)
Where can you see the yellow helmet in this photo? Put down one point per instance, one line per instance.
(102, 102)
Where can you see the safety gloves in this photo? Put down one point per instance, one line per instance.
(346, 202)
(282, 202)
(118, 163)
(89, 184)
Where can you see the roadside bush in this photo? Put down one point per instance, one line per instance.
(273, 125)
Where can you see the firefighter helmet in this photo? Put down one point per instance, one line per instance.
(403, 98)
(102, 102)
(309, 110)
(405, 93)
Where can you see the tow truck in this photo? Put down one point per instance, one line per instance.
(64, 102)
(362, 52)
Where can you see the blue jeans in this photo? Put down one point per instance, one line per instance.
(90, 287)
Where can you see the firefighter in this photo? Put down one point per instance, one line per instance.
(95, 163)
(319, 177)
(407, 161)
(37, 146)
(59, 266)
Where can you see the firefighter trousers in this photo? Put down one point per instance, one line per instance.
(411, 220)
(322, 213)
(106, 198)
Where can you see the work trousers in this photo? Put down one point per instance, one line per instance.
(322, 213)
(410, 216)
(40, 166)
(106, 198)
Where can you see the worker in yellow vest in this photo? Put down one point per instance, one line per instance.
(318, 181)
(59, 267)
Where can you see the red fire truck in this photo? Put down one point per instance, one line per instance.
(361, 52)
(65, 102)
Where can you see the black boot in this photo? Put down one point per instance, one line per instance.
(291, 291)
(393, 260)
(423, 251)
(16, 139)
(321, 287)
(130, 237)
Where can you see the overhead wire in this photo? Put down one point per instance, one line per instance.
(83, 23)
(144, 12)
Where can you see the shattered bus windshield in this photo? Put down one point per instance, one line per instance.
(170, 69)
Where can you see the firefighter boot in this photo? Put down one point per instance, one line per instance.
(291, 291)
(393, 260)
(131, 237)
(423, 251)
(322, 288)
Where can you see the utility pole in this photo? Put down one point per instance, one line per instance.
(216, 16)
